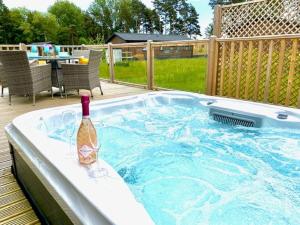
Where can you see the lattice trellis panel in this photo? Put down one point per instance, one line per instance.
(258, 18)
(265, 70)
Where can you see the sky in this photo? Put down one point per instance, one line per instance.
(202, 7)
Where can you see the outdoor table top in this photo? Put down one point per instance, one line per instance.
(52, 57)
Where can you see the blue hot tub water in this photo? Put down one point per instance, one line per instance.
(187, 169)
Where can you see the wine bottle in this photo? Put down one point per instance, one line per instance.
(86, 136)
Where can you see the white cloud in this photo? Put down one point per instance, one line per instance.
(148, 3)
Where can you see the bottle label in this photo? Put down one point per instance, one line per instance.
(85, 151)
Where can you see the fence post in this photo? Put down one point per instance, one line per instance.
(150, 65)
(217, 21)
(211, 67)
(22, 47)
(111, 63)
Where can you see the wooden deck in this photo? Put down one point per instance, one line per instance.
(14, 207)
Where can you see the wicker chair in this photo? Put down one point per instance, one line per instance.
(2, 80)
(77, 76)
(79, 53)
(23, 79)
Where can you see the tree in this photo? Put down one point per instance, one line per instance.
(31, 26)
(189, 21)
(123, 16)
(44, 26)
(145, 20)
(209, 30)
(178, 17)
(138, 10)
(65, 23)
(5, 23)
(71, 21)
(92, 31)
(20, 28)
(105, 14)
(151, 22)
(124, 21)
(167, 13)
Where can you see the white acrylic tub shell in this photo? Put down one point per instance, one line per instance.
(108, 200)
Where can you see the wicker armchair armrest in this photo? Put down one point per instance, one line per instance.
(41, 72)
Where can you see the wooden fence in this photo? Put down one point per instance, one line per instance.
(199, 48)
(9, 47)
(63, 48)
(264, 69)
(150, 51)
(257, 18)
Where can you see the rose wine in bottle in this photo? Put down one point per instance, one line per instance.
(86, 136)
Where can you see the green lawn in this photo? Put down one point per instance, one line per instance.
(186, 74)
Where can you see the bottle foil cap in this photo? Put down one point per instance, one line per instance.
(85, 99)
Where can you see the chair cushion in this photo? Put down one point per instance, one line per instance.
(83, 61)
(34, 49)
(32, 54)
(57, 49)
(63, 54)
(42, 62)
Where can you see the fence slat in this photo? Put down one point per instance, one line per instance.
(232, 46)
(222, 69)
(255, 38)
(299, 99)
(211, 66)
(175, 43)
(216, 56)
(241, 47)
(291, 71)
(249, 60)
(241, 3)
(258, 69)
(269, 67)
(279, 70)
(111, 63)
(217, 20)
(150, 65)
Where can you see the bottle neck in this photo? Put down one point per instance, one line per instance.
(85, 110)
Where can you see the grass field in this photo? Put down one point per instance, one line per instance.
(186, 74)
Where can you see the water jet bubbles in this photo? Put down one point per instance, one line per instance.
(197, 152)
(238, 212)
(187, 169)
(195, 216)
(171, 132)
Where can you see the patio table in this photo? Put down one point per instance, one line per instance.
(56, 58)
(54, 64)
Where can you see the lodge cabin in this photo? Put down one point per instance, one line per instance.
(159, 52)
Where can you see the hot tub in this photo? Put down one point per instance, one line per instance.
(172, 158)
